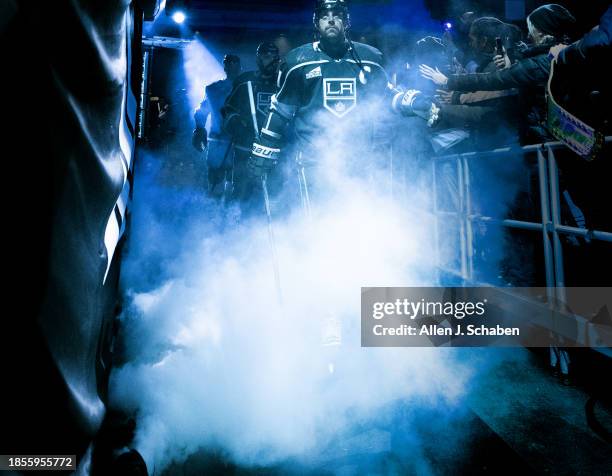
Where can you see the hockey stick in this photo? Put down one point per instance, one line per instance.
(264, 188)
(304, 192)
(224, 198)
(332, 337)
(275, 262)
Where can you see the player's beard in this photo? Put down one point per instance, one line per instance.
(334, 46)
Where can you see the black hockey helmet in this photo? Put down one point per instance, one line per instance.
(323, 6)
(267, 48)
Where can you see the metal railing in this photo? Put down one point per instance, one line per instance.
(550, 203)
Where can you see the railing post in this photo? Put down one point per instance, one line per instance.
(469, 243)
(555, 206)
(391, 172)
(461, 217)
(558, 355)
(436, 218)
(545, 209)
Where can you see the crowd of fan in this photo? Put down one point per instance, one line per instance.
(488, 78)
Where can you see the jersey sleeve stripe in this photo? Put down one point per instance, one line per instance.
(366, 62)
(268, 132)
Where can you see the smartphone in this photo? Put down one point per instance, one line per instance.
(499, 47)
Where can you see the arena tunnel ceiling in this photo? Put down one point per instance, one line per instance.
(203, 11)
(241, 16)
(265, 14)
(283, 15)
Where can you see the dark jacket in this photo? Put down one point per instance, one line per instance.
(581, 81)
(595, 45)
(491, 120)
(215, 95)
(530, 72)
(529, 75)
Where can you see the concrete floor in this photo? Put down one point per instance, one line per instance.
(544, 421)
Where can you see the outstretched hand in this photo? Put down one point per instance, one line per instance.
(433, 75)
(443, 96)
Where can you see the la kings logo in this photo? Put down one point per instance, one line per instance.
(263, 102)
(339, 95)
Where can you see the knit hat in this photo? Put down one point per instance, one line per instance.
(553, 20)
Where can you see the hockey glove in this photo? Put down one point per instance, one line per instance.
(199, 140)
(415, 103)
(262, 160)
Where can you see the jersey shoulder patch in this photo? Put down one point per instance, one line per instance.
(315, 72)
(297, 60)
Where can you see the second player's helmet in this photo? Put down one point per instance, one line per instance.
(267, 48)
(323, 6)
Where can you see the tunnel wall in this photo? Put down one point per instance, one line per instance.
(70, 87)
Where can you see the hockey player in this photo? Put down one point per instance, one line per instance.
(328, 90)
(245, 112)
(324, 88)
(216, 142)
(334, 91)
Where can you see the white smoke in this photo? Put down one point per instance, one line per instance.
(201, 69)
(216, 360)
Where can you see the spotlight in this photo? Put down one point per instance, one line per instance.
(178, 10)
(448, 26)
(178, 17)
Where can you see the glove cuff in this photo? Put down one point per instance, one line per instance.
(396, 103)
(264, 152)
(415, 103)
(406, 101)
